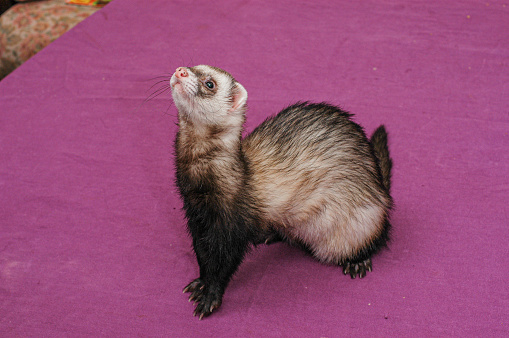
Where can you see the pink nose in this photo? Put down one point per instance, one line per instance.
(181, 72)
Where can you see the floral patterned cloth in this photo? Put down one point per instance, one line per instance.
(26, 28)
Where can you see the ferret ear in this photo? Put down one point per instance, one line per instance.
(239, 94)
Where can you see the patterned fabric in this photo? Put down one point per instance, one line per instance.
(27, 28)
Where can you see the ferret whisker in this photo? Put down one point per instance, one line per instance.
(152, 96)
(158, 92)
(157, 83)
(162, 76)
(168, 109)
(158, 77)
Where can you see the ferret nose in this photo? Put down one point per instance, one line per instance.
(181, 72)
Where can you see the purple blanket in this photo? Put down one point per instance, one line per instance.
(92, 237)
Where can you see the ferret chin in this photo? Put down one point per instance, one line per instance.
(308, 176)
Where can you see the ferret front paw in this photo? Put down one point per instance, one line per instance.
(206, 299)
(209, 302)
(359, 268)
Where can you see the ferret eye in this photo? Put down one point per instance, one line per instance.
(209, 84)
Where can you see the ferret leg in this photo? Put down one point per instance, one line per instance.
(196, 286)
(361, 263)
(219, 255)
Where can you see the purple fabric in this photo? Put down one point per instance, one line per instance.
(92, 238)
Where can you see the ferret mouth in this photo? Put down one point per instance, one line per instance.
(174, 81)
(178, 89)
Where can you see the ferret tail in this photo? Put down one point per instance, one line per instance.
(379, 142)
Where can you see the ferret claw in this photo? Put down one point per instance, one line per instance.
(354, 269)
(368, 265)
(273, 238)
(195, 285)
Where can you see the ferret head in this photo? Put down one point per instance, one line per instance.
(207, 94)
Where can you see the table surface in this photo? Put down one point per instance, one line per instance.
(92, 236)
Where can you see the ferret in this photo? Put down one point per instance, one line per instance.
(307, 176)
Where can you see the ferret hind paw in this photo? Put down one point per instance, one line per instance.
(358, 268)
